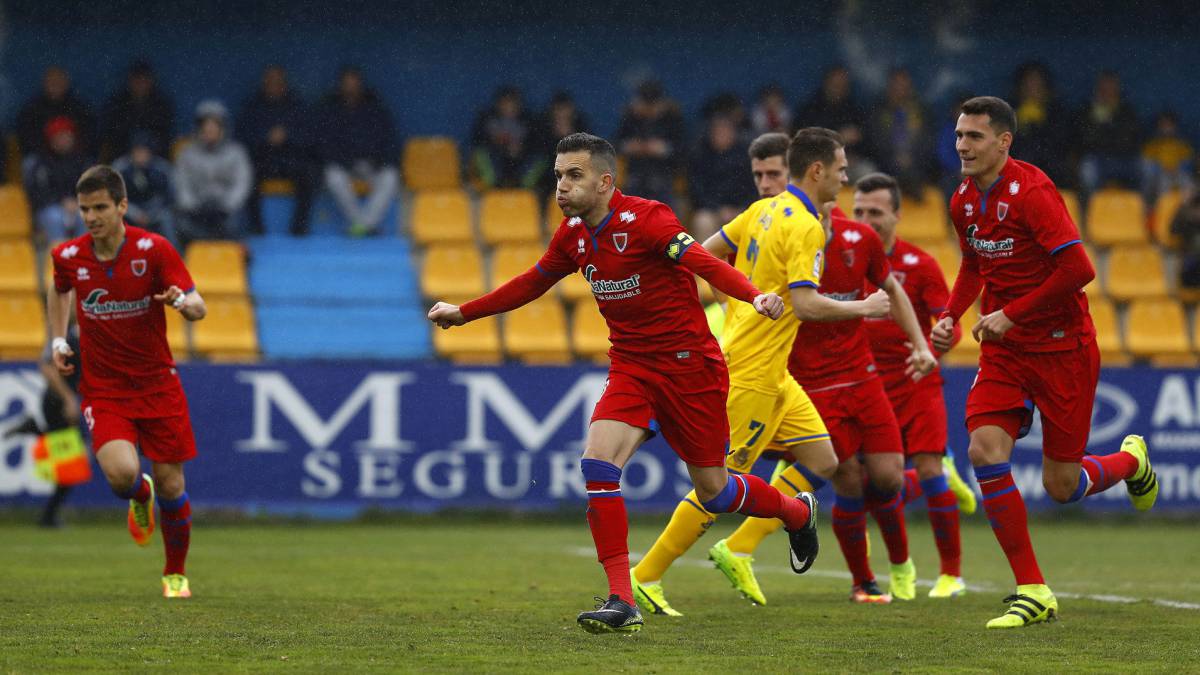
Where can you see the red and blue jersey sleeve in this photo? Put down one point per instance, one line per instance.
(171, 270)
(1049, 219)
(555, 262)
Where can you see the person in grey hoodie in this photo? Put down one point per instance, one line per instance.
(213, 177)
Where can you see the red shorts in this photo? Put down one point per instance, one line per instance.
(920, 411)
(1061, 385)
(157, 424)
(859, 418)
(684, 399)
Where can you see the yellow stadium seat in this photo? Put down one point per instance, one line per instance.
(441, 216)
(553, 214)
(15, 216)
(272, 187)
(537, 332)
(228, 332)
(845, 201)
(1157, 330)
(1164, 211)
(948, 257)
(18, 267)
(452, 273)
(431, 163)
(966, 352)
(218, 268)
(1108, 332)
(507, 216)
(589, 333)
(22, 326)
(510, 260)
(177, 336)
(925, 220)
(1071, 199)
(576, 289)
(1116, 216)
(475, 342)
(1135, 272)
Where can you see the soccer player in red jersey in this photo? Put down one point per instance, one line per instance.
(919, 406)
(832, 361)
(119, 278)
(1037, 343)
(667, 373)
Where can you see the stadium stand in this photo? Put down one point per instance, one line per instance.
(227, 333)
(452, 273)
(431, 163)
(947, 255)
(537, 333)
(1071, 200)
(509, 260)
(589, 333)
(924, 221)
(177, 335)
(1158, 331)
(1164, 211)
(18, 267)
(575, 289)
(15, 219)
(509, 216)
(218, 268)
(440, 216)
(1116, 216)
(966, 352)
(476, 342)
(22, 326)
(1108, 332)
(1135, 272)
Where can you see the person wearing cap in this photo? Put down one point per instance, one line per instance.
(49, 176)
(212, 179)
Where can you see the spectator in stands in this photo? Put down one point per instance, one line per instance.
(1108, 138)
(900, 133)
(560, 119)
(57, 99)
(771, 112)
(834, 107)
(1168, 159)
(728, 105)
(149, 187)
(1042, 122)
(140, 106)
(1186, 226)
(504, 143)
(50, 175)
(273, 127)
(718, 183)
(651, 137)
(945, 148)
(357, 140)
(212, 179)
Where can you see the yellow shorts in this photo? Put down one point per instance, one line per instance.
(758, 422)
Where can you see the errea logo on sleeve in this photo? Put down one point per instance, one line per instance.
(68, 252)
(145, 243)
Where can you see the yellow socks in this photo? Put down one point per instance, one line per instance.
(688, 523)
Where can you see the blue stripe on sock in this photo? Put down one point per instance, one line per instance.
(813, 479)
(1080, 489)
(845, 503)
(935, 486)
(942, 509)
(724, 499)
(133, 490)
(1099, 469)
(1001, 493)
(172, 504)
(790, 484)
(602, 495)
(983, 473)
(599, 471)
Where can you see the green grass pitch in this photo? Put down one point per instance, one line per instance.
(453, 595)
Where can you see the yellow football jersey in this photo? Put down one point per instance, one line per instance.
(779, 243)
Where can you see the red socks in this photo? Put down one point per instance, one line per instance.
(176, 523)
(889, 514)
(850, 527)
(1006, 512)
(609, 523)
(139, 492)
(943, 517)
(750, 495)
(912, 486)
(1105, 471)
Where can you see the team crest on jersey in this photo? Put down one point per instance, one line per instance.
(620, 240)
(69, 252)
(787, 211)
(969, 209)
(139, 267)
(1001, 210)
(817, 264)
(145, 243)
(1014, 187)
(581, 245)
(852, 236)
(910, 259)
(848, 257)
(627, 216)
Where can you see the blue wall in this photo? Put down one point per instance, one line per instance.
(436, 63)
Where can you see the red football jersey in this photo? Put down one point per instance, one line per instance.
(923, 282)
(630, 259)
(122, 330)
(1014, 227)
(830, 353)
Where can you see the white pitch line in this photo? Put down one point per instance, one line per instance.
(975, 588)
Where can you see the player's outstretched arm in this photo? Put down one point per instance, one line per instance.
(809, 305)
(189, 304)
(520, 290)
(446, 315)
(921, 362)
(726, 279)
(58, 313)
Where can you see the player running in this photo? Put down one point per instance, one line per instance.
(777, 243)
(1037, 343)
(666, 374)
(119, 277)
(919, 406)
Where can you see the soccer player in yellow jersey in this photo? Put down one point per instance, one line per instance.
(778, 242)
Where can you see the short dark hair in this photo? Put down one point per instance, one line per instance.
(880, 181)
(600, 149)
(770, 145)
(102, 177)
(1000, 114)
(812, 144)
